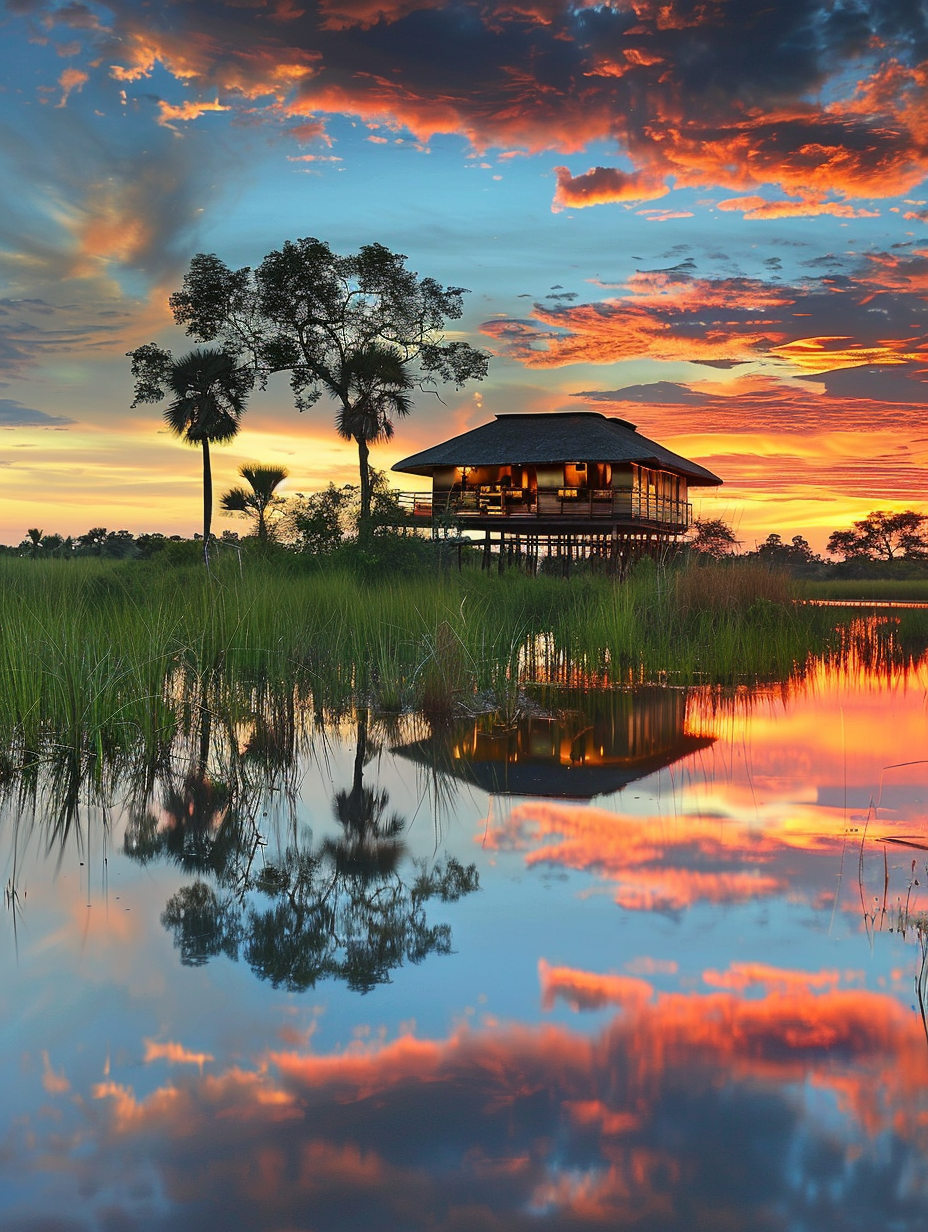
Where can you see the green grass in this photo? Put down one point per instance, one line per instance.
(100, 657)
(866, 588)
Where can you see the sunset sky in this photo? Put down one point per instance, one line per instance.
(708, 218)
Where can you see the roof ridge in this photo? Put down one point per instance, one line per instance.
(615, 419)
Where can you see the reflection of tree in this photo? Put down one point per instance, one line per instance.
(205, 825)
(203, 924)
(326, 923)
(342, 910)
(369, 846)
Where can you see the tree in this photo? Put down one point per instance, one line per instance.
(120, 544)
(256, 503)
(33, 541)
(370, 845)
(93, 540)
(713, 537)
(796, 553)
(55, 545)
(209, 395)
(362, 329)
(316, 523)
(883, 536)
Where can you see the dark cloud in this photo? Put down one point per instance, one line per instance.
(24, 342)
(875, 384)
(15, 415)
(724, 94)
(667, 393)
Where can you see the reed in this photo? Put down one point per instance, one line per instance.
(98, 656)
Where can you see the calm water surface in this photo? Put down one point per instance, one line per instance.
(261, 987)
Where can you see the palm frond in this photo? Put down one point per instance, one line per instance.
(209, 397)
(236, 500)
(263, 479)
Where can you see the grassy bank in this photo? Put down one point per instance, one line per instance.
(98, 655)
(873, 589)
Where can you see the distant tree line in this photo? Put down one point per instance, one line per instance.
(317, 524)
(321, 524)
(879, 541)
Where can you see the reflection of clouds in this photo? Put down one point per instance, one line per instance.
(761, 812)
(650, 863)
(821, 1088)
(174, 1053)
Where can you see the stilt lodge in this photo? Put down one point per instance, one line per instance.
(576, 484)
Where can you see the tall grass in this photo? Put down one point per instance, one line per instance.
(98, 656)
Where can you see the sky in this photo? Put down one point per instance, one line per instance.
(708, 218)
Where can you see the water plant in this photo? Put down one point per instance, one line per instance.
(97, 655)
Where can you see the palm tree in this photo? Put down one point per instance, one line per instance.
(263, 481)
(209, 401)
(376, 388)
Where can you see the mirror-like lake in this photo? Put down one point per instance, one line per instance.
(651, 958)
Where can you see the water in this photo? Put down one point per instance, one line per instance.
(260, 987)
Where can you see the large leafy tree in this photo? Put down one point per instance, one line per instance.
(883, 536)
(361, 329)
(713, 537)
(259, 498)
(208, 392)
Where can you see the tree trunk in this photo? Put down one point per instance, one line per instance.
(364, 519)
(207, 501)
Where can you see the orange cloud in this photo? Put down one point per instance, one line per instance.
(186, 111)
(827, 354)
(673, 314)
(54, 1084)
(70, 80)
(741, 976)
(808, 207)
(604, 184)
(650, 864)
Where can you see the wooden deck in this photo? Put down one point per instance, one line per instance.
(530, 510)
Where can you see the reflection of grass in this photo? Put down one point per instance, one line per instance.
(95, 654)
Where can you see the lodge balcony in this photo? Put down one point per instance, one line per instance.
(497, 505)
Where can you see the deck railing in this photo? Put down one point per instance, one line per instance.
(531, 503)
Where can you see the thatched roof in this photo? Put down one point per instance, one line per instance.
(550, 439)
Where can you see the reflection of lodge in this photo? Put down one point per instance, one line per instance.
(576, 479)
(598, 744)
